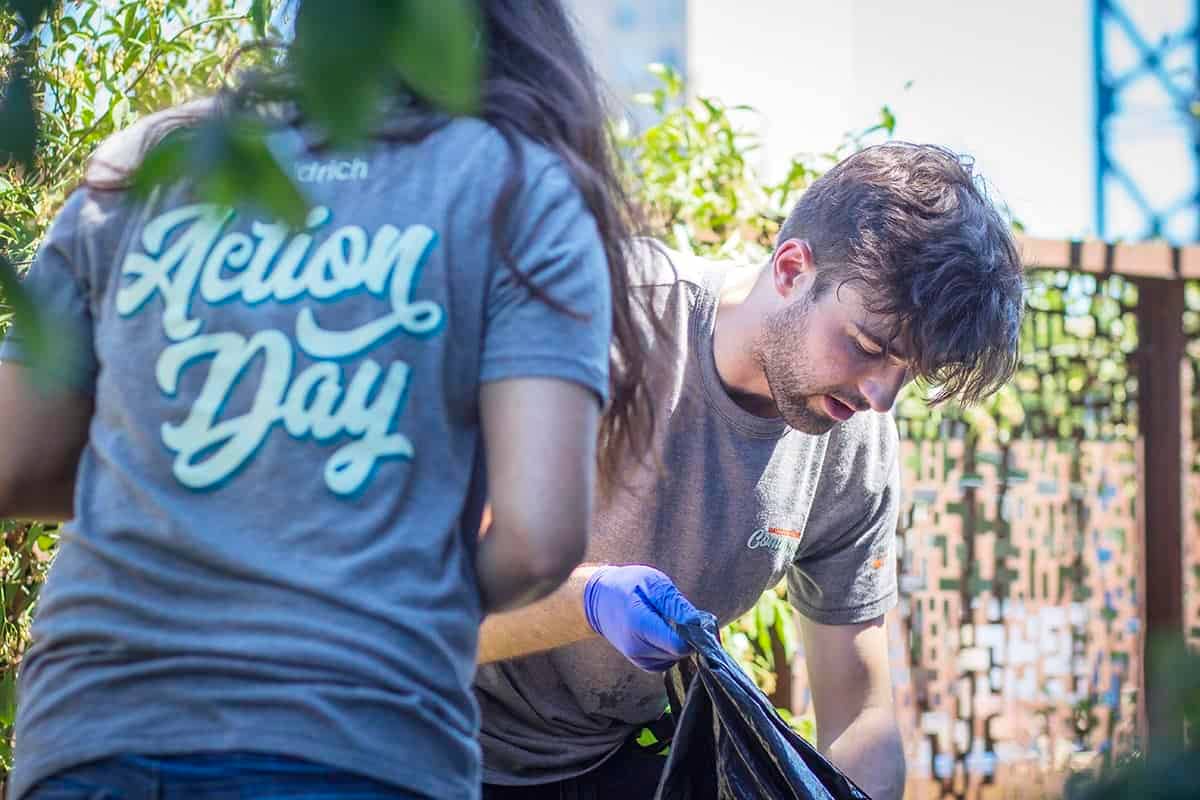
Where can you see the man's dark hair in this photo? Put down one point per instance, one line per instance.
(914, 228)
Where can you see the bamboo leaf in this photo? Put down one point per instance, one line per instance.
(258, 15)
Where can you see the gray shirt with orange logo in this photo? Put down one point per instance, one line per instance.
(741, 502)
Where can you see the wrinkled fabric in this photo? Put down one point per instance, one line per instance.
(730, 744)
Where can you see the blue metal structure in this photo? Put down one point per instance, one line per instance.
(1165, 66)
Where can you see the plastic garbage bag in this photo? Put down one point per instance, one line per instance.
(729, 742)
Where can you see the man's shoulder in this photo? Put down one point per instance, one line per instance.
(867, 426)
(863, 450)
(867, 434)
(655, 265)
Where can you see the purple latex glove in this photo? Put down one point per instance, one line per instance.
(624, 605)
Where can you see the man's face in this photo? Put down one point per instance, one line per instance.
(824, 360)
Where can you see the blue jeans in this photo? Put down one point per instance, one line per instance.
(211, 776)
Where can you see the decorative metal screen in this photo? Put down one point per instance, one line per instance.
(1020, 558)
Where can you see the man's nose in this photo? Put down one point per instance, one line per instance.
(881, 387)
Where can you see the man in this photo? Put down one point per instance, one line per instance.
(776, 458)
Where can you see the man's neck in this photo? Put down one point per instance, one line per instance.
(736, 327)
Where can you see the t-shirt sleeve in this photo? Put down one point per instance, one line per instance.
(845, 571)
(557, 249)
(57, 284)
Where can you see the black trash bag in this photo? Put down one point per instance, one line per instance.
(729, 742)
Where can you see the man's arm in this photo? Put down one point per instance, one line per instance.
(851, 683)
(554, 621)
(626, 605)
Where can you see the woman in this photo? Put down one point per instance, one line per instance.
(277, 442)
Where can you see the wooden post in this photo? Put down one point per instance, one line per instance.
(1161, 344)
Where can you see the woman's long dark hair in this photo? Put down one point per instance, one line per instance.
(539, 84)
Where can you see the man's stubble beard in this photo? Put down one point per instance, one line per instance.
(788, 377)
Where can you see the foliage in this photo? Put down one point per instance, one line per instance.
(698, 189)
(98, 66)
(757, 637)
(25, 554)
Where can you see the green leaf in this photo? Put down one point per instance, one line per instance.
(18, 121)
(258, 15)
(120, 112)
(8, 697)
(350, 56)
(340, 63)
(887, 120)
(33, 333)
(440, 52)
(231, 165)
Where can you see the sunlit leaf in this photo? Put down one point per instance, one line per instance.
(8, 697)
(258, 15)
(887, 120)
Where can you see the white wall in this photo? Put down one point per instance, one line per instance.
(793, 60)
(1009, 83)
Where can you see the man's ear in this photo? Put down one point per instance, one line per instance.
(792, 267)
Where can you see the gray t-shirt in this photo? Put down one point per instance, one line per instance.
(278, 504)
(741, 502)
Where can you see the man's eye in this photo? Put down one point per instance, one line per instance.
(858, 345)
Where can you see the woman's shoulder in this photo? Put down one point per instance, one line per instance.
(480, 141)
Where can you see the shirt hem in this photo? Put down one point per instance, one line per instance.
(851, 615)
(500, 779)
(567, 369)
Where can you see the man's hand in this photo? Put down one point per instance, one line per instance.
(623, 605)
